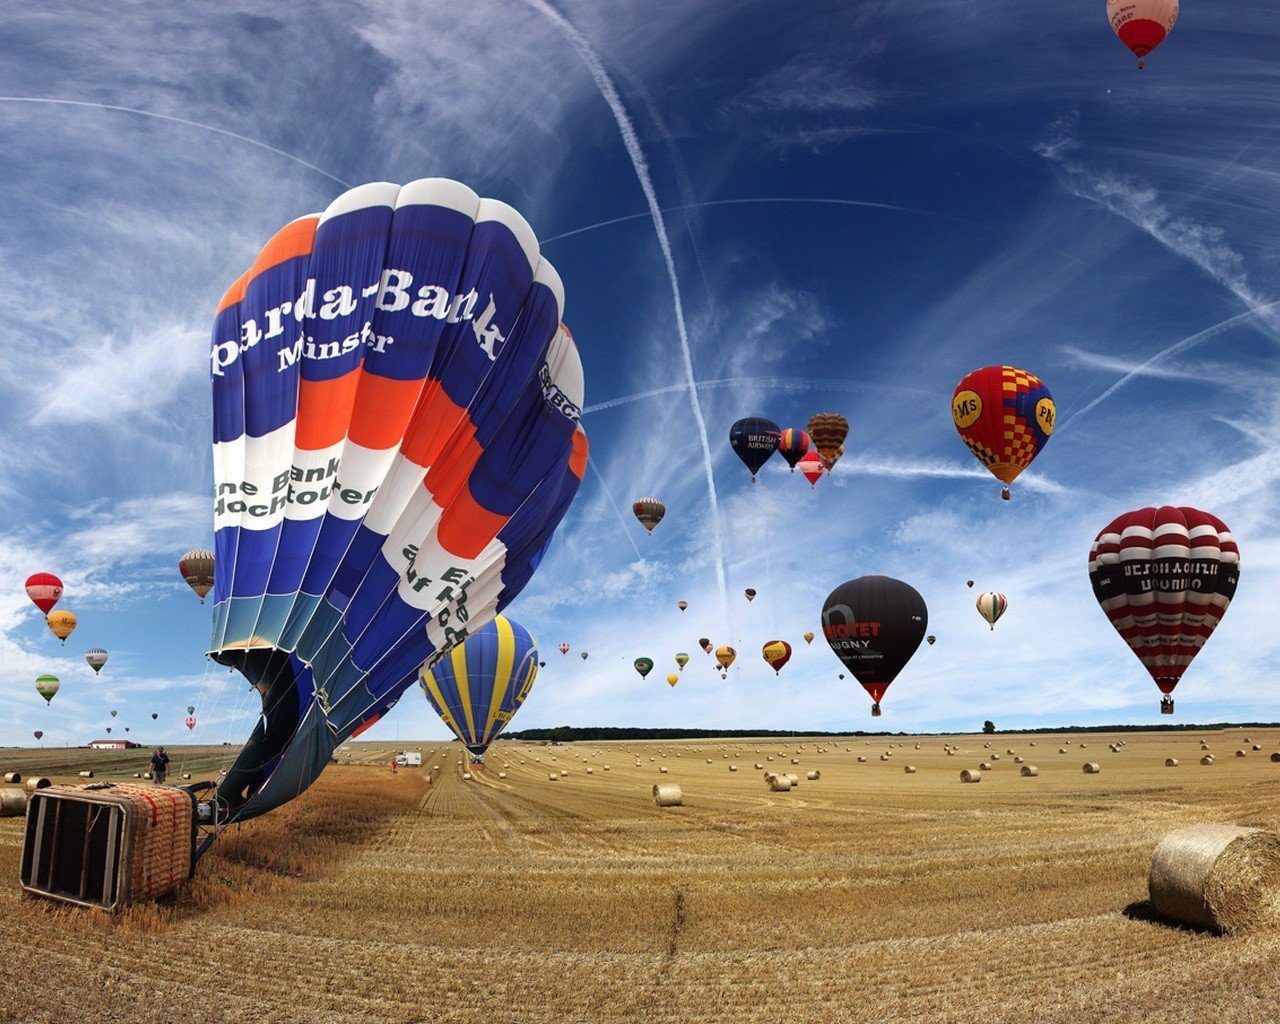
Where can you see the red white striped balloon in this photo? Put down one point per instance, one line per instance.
(1142, 24)
(44, 589)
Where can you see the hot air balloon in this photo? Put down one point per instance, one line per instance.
(828, 431)
(930, 640)
(673, 679)
(126, 728)
(969, 584)
(191, 710)
(542, 664)
(649, 511)
(753, 440)
(808, 638)
(154, 716)
(792, 445)
(705, 644)
(725, 656)
(44, 589)
(114, 713)
(1165, 578)
(874, 625)
(196, 567)
(776, 653)
(563, 648)
(812, 468)
(396, 439)
(841, 676)
(478, 686)
(61, 623)
(38, 734)
(583, 655)
(1005, 415)
(749, 594)
(96, 658)
(190, 722)
(47, 685)
(108, 730)
(991, 606)
(643, 665)
(682, 660)
(682, 605)
(1142, 24)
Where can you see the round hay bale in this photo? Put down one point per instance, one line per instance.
(466, 776)
(769, 758)
(951, 753)
(553, 777)
(1019, 760)
(667, 794)
(909, 769)
(604, 767)
(12, 777)
(1082, 746)
(1257, 746)
(38, 782)
(1010, 751)
(995, 757)
(795, 779)
(13, 803)
(861, 759)
(794, 761)
(758, 766)
(502, 775)
(591, 771)
(969, 775)
(709, 761)
(1029, 771)
(1062, 750)
(137, 775)
(917, 746)
(1171, 762)
(985, 766)
(814, 776)
(86, 775)
(1207, 759)
(779, 783)
(884, 757)
(1247, 740)
(1276, 757)
(1241, 753)
(985, 746)
(663, 769)
(186, 775)
(1032, 744)
(1091, 768)
(1223, 877)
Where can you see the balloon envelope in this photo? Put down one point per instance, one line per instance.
(649, 511)
(828, 431)
(38, 734)
(673, 679)
(808, 638)
(643, 665)
(563, 648)
(682, 605)
(61, 623)
(812, 468)
(991, 606)
(191, 710)
(725, 656)
(190, 722)
(396, 438)
(792, 445)
(682, 660)
(47, 685)
(1165, 577)
(1142, 24)
(749, 593)
(753, 439)
(196, 567)
(1006, 416)
(96, 658)
(776, 654)
(44, 589)
(874, 625)
(478, 686)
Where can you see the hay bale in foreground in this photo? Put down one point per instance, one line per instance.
(1241, 753)
(985, 766)
(553, 777)
(1019, 760)
(1207, 759)
(667, 794)
(86, 775)
(1223, 877)
(13, 803)
(1276, 757)
(814, 776)
(969, 775)
(1257, 746)
(795, 779)
(12, 777)
(1029, 771)
(861, 759)
(502, 775)
(1171, 762)
(909, 769)
(1091, 768)
(995, 757)
(39, 782)
(779, 783)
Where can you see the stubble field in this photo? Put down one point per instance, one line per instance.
(868, 895)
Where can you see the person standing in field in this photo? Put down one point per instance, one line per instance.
(159, 766)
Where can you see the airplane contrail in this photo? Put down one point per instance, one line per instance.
(626, 527)
(779, 383)
(52, 101)
(631, 141)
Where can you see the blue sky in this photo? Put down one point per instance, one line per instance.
(861, 202)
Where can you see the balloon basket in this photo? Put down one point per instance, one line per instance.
(875, 711)
(1166, 707)
(107, 845)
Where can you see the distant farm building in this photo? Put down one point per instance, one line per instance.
(113, 745)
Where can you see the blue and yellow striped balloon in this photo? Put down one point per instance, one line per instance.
(478, 687)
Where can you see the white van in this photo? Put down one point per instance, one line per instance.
(409, 759)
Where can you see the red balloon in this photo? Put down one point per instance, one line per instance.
(44, 589)
(1142, 24)
(812, 468)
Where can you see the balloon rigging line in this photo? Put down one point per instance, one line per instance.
(632, 143)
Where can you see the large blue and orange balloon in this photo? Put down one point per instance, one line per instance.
(1005, 415)
(479, 685)
(396, 438)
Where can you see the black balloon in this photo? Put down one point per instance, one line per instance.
(753, 440)
(874, 625)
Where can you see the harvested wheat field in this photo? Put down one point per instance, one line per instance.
(868, 894)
